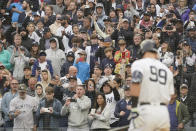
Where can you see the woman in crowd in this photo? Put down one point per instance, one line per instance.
(112, 96)
(31, 31)
(165, 54)
(100, 114)
(91, 90)
(35, 50)
(45, 79)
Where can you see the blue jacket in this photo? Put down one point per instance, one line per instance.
(83, 71)
(122, 106)
(5, 104)
(36, 64)
(15, 15)
(55, 116)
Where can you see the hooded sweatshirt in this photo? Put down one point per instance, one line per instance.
(101, 17)
(57, 57)
(5, 58)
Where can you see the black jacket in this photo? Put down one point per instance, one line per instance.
(42, 43)
(65, 68)
(127, 34)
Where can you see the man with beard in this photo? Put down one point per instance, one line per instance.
(27, 12)
(192, 38)
(146, 22)
(26, 41)
(59, 7)
(21, 110)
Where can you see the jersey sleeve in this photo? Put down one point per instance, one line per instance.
(137, 72)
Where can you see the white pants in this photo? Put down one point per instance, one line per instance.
(156, 118)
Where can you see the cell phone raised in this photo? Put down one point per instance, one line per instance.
(72, 100)
(46, 110)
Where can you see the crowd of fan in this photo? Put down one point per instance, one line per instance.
(68, 63)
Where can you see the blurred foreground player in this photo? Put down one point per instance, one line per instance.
(151, 89)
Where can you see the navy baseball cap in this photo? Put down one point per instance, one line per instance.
(42, 53)
(71, 53)
(46, 30)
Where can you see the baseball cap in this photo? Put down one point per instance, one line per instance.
(184, 86)
(46, 30)
(82, 30)
(82, 52)
(108, 66)
(72, 77)
(52, 39)
(92, 1)
(147, 13)
(107, 19)
(99, 5)
(35, 43)
(108, 39)
(126, 87)
(125, 20)
(42, 53)
(36, 14)
(22, 88)
(119, 7)
(71, 53)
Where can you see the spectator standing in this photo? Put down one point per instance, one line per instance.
(19, 63)
(59, 7)
(55, 55)
(78, 109)
(69, 62)
(112, 96)
(48, 112)
(27, 75)
(83, 67)
(21, 110)
(17, 44)
(31, 86)
(179, 114)
(123, 108)
(5, 104)
(41, 64)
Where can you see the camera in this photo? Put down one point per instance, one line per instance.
(87, 11)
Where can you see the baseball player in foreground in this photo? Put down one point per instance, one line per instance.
(152, 86)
